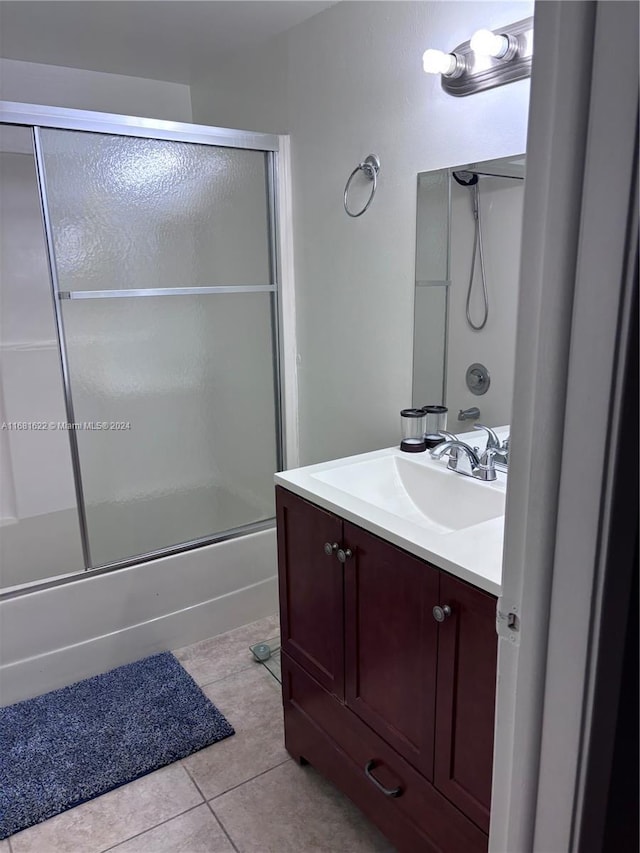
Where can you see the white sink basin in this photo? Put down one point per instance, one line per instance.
(427, 494)
(413, 501)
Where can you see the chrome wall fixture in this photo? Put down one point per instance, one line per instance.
(369, 167)
(478, 379)
(490, 58)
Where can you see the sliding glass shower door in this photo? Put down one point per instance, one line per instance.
(39, 529)
(163, 268)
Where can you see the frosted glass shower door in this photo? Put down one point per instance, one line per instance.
(164, 272)
(39, 528)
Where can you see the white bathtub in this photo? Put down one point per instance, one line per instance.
(53, 637)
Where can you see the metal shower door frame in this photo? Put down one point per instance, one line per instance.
(37, 117)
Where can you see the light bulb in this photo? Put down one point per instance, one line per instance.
(438, 62)
(487, 43)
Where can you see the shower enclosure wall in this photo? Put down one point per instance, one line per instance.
(140, 375)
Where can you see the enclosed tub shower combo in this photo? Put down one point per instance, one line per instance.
(140, 387)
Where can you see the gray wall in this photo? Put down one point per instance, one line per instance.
(75, 88)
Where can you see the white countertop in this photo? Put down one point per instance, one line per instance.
(473, 553)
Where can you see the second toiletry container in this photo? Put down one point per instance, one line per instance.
(435, 422)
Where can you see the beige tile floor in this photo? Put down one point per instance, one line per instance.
(243, 794)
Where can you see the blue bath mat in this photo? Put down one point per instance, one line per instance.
(70, 745)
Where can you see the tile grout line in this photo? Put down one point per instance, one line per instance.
(215, 816)
(155, 826)
(162, 822)
(257, 665)
(216, 637)
(240, 784)
(222, 827)
(213, 799)
(186, 770)
(228, 675)
(197, 787)
(180, 761)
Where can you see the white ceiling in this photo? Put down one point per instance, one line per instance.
(167, 40)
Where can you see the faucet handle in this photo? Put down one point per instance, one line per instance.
(487, 469)
(453, 451)
(487, 458)
(492, 438)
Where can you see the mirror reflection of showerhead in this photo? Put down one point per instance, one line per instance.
(466, 179)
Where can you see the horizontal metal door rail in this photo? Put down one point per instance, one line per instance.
(97, 122)
(166, 291)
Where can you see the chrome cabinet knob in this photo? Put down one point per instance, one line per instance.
(329, 549)
(343, 555)
(441, 613)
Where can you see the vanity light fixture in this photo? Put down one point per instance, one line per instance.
(490, 58)
(488, 43)
(439, 62)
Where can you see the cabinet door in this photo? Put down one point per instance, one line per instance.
(466, 691)
(311, 595)
(390, 644)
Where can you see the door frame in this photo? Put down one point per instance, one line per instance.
(573, 345)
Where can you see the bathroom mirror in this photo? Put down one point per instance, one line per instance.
(468, 234)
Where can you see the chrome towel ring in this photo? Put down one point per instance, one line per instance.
(370, 168)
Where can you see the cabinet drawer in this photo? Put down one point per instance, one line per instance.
(370, 767)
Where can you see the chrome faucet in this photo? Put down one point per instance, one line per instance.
(464, 460)
(469, 414)
(449, 436)
(501, 448)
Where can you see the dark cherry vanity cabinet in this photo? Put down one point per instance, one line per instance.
(395, 707)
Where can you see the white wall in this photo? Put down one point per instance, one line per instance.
(248, 92)
(346, 83)
(75, 88)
